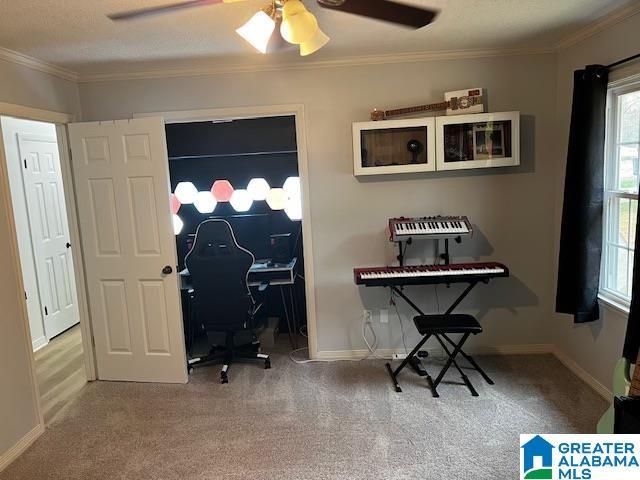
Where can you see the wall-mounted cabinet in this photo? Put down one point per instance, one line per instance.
(478, 141)
(437, 143)
(394, 146)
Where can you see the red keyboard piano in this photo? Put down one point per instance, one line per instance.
(428, 274)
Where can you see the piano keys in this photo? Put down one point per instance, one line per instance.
(429, 274)
(402, 229)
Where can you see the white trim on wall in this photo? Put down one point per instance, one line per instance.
(19, 448)
(24, 317)
(37, 64)
(37, 114)
(18, 111)
(599, 25)
(581, 373)
(38, 343)
(78, 256)
(534, 349)
(296, 110)
(392, 58)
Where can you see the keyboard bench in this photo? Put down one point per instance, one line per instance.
(440, 326)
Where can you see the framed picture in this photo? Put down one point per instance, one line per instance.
(480, 140)
(394, 146)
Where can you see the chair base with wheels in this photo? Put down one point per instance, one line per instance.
(229, 354)
(440, 326)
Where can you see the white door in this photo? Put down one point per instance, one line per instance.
(49, 232)
(121, 176)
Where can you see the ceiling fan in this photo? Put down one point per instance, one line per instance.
(297, 25)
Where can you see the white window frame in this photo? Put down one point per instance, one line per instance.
(616, 89)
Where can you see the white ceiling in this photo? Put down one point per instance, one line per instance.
(77, 35)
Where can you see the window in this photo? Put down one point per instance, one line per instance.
(621, 191)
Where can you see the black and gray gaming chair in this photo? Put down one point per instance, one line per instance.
(221, 299)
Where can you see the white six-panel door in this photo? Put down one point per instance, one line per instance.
(120, 171)
(49, 232)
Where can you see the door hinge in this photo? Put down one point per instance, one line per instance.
(25, 295)
(93, 341)
(25, 163)
(46, 312)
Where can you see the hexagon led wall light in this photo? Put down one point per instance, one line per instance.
(222, 190)
(175, 203)
(177, 224)
(186, 193)
(292, 187)
(258, 188)
(294, 208)
(241, 200)
(205, 203)
(277, 199)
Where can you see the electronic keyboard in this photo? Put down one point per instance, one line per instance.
(403, 229)
(428, 274)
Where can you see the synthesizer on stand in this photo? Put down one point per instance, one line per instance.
(403, 232)
(428, 228)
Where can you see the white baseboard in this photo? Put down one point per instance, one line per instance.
(38, 343)
(535, 349)
(356, 354)
(25, 442)
(532, 349)
(585, 376)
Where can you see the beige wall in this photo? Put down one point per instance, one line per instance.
(19, 85)
(596, 346)
(511, 208)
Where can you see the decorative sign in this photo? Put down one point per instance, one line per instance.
(465, 101)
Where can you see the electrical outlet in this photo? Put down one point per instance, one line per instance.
(366, 315)
(384, 316)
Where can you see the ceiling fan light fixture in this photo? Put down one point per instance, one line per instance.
(298, 24)
(258, 30)
(315, 43)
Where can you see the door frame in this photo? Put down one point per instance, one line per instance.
(60, 120)
(297, 111)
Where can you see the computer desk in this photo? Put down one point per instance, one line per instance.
(264, 274)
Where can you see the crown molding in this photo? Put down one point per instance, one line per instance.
(599, 25)
(35, 64)
(412, 57)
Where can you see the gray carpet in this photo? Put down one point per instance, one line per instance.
(316, 421)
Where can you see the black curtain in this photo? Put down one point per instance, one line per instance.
(632, 338)
(581, 236)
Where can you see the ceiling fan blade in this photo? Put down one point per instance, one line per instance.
(385, 10)
(161, 9)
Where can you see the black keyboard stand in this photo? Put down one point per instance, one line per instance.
(413, 361)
